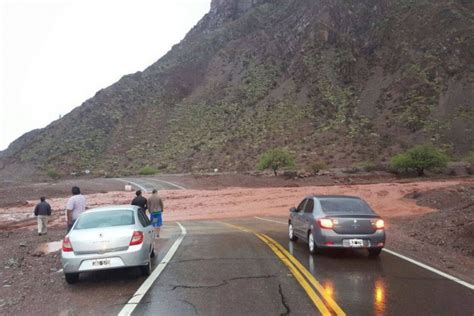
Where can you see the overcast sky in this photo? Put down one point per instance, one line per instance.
(56, 54)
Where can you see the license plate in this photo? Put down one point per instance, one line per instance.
(356, 243)
(101, 263)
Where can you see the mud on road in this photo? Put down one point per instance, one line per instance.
(428, 220)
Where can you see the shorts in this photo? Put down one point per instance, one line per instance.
(156, 219)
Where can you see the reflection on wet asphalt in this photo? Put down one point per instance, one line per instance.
(223, 270)
(382, 286)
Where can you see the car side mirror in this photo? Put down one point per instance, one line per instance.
(293, 209)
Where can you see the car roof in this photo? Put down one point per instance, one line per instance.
(333, 197)
(113, 208)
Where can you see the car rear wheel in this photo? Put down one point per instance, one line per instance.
(152, 253)
(146, 269)
(72, 278)
(291, 233)
(313, 249)
(374, 252)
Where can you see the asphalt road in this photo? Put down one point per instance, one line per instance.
(148, 184)
(222, 269)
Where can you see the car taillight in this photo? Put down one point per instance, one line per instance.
(326, 223)
(137, 238)
(379, 224)
(67, 247)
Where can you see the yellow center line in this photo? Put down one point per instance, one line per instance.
(338, 310)
(299, 277)
(301, 274)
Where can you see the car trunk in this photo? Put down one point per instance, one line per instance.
(101, 240)
(354, 224)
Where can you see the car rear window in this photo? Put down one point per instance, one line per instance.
(105, 219)
(341, 206)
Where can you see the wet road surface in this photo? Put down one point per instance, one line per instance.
(221, 269)
(148, 184)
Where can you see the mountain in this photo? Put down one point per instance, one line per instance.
(339, 81)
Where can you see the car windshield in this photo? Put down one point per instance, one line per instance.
(340, 206)
(105, 219)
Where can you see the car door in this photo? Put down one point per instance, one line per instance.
(307, 217)
(147, 228)
(298, 218)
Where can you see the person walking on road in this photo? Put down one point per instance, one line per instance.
(76, 205)
(42, 213)
(140, 201)
(155, 207)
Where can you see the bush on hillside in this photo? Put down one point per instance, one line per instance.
(318, 166)
(147, 171)
(419, 159)
(276, 159)
(469, 158)
(366, 166)
(53, 174)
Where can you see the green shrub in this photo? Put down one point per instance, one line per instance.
(318, 166)
(469, 158)
(147, 170)
(53, 174)
(275, 159)
(367, 166)
(419, 159)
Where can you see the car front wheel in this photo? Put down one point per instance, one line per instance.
(313, 249)
(71, 278)
(291, 233)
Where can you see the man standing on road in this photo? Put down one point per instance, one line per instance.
(140, 201)
(155, 207)
(76, 205)
(42, 213)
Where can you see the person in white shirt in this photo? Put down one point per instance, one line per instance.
(76, 205)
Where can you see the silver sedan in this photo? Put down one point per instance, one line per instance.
(108, 238)
(336, 222)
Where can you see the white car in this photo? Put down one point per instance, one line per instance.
(108, 238)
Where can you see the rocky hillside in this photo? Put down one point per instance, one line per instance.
(341, 81)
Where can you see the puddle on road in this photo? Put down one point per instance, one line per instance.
(49, 247)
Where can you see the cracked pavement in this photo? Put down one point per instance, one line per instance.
(219, 270)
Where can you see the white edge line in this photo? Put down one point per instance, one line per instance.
(143, 289)
(134, 183)
(170, 183)
(422, 265)
(270, 220)
(427, 267)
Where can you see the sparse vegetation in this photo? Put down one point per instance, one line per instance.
(53, 174)
(470, 158)
(147, 171)
(318, 166)
(419, 159)
(276, 159)
(367, 166)
(227, 92)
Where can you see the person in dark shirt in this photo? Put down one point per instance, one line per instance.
(42, 213)
(140, 201)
